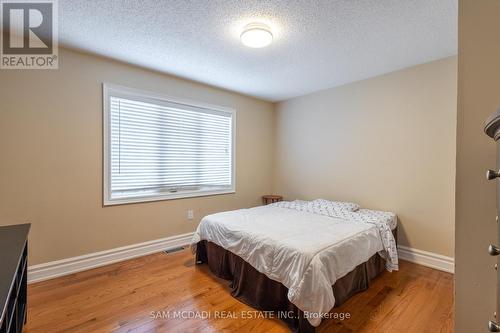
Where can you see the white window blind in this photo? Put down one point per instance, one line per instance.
(162, 149)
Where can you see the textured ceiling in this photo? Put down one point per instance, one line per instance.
(317, 44)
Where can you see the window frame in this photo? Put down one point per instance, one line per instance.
(112, 90)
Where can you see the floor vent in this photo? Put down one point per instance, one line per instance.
(174, 249)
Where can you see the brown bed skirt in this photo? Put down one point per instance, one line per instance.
(257, 290)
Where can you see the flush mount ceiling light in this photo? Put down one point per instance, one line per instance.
(256, 35)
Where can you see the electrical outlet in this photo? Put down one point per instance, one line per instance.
(190, 214)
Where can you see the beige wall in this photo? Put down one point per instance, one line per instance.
(51, 157)
(478, 97)
(387, 143)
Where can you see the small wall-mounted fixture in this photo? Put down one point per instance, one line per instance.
(256, 35)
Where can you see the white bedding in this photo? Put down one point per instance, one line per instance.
(306, 252)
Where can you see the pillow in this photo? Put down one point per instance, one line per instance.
(337, 205)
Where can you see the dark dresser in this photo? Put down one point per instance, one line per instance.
(13, 277)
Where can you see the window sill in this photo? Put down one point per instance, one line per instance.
(169, 196)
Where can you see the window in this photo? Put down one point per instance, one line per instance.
(158, 148)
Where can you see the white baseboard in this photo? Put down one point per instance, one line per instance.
(67, 266)
(429, 259)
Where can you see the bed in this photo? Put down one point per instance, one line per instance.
(299, 258)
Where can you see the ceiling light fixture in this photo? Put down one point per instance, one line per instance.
(256, 35)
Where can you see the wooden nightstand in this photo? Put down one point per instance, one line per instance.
(268, 199)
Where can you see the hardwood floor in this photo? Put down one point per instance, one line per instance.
(138, 296)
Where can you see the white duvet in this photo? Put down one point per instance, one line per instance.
(306, 252)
